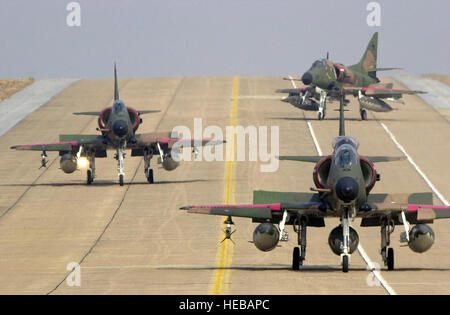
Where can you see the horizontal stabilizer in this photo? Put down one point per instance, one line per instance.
(142, 112)
(299, 158)
(88, 113)
(378, 159)
(384, 69)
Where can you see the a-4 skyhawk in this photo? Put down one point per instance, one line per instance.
(343, 182)
(326, 81)
(118, 125)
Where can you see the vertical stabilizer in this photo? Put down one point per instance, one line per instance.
(341, 116)
(369, 59)
(116, 86)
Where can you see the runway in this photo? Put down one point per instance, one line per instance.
(135, 240)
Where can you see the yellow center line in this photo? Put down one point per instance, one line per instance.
(221, 283)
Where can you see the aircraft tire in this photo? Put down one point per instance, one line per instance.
(363, 114)
(345, 263)
(90, 179)
(390, 259)
(150, 176)
(319, 116)
(121, 180)
(296, 259)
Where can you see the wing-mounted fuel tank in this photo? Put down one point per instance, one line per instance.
(266, 237)
(68, 163)
(321, 172)
(169, 163)
(421, 238)
(335, 240)
(372, 103)
(369, 173)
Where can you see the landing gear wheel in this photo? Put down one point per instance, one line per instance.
(296, 262)
(345, 263)
(121, 180)
(90, 178)
(363, 114)
(390, 259)
(150, 176)
(320, 115)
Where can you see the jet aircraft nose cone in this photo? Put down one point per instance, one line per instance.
(347, 189)
(307, 78)
(120, 128)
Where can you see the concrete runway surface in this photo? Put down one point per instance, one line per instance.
(133, 239)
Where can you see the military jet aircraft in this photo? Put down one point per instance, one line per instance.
(343, 181)
(325, 80)
(118, 125)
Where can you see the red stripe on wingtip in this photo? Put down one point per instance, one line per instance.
(415, 207)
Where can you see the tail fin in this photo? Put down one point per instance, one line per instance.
(116, 87)
(369, 59)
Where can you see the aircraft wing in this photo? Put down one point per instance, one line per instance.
(418, 208)
(381, 91)
(267, 205)
(66, 143)
(141, 112)
(256, 211)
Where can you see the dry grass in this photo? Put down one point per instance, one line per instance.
(10, 86)
(443, 78)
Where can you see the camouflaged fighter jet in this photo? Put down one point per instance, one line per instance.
(326, 80)
(343, 181)
(118, 125)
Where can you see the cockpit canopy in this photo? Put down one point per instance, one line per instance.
(338, 141)
(319, 63)
(346, 155)
(118, 107)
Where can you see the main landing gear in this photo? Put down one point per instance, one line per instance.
(299, 254)
(387, 254)
(119, 157)
(91, 169)
(322, 105)
(345, 251)
(147, 170)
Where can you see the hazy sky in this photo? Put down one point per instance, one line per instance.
(156, 38)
